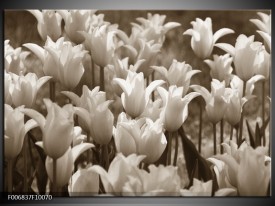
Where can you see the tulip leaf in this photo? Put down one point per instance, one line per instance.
(191, 156)
(258, 136)
(265, 125)
(251, 135)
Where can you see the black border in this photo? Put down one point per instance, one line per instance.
(137, 5)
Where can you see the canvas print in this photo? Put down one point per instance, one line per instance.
(137, 103)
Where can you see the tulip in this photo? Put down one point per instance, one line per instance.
(264, 24)
(120, 168)
(246, 55)
(79, 138)
(199, 188)
(220, 67)
(203, 40)
(15, 131)
(264, 66)
(152, 110)
(65, 164)
(57, 128)
(175, 110)
(8, 84)
(179, 74)
(48, 23)
(99, 120)
(84, 182)
(138, 136)
(267, 39)
(135, 96)
(24, 89)
(161, 180)
(14, 58)
(75, 21)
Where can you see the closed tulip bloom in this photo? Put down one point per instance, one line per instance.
(135, 96)
(57, 128)
(119, 170)
(203, 40)
(15, 131)
(158, 181)
(233, 109)
(179, 74)
(84, 182)
(65, 163)
(220, 67)
(48, 23)
(75, 21)
(264, 24)
(175, 110)
(24, 89)
(246, 55)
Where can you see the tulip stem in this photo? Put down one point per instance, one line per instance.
(54, 175)
(231, 132)
(102, 85)
(93, 73)
(200, 128)
(169, 145)
(106, 156)
(215, 138)
(25, 153)
(241, 120)
(176, 148)
(263, 110)
(9, 175)
(221, 147)
(153, 93)
(52, 90)
(88, 152)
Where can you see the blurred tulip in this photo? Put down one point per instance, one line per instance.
(198, 188)
(220, 67)
(138, 136)
(99, 120)
(24, 89)
(48, 23)
(14, 58)
(215, 101)
(75, 21)
(246, 55)
(175, 110)
(120, 168)
(135, 96)
(84, 182)
(65, 163)
(160, 181)
(264, 24)
(153, 110)
(179, 74)
(8, 85)
(203, 40)
(57, 127)
(267, 39)
(265, 65)
(78, 138)
(100, 42)
(15, 131)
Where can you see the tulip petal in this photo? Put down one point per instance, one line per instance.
(259, 24)
(38, 15)
(250, 83)
(266, 37)
(163, 94)
(131, 49)
(152, 86)
(42, 81)
(226, 47)
(40, 144)
(39, 118)
(37, 50)
(79, 149)
(221, 32)
(125, 86)
(204, 92)
(84, 114)
(170, 25)
(137, 65)
(226, 192)
(161, 69)
(106, 180)
(73, 97)
(30, 124)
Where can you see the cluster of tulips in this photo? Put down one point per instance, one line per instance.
(83, 146)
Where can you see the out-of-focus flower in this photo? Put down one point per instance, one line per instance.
(79, 138)
(98, 119)
(247, 169)
(265, 65)
(135, 96)
(264, 24)
(24, 89)
(179, 74)
(84, 182)
(15, 131)
(75, 21)
(57, 127)
(247, 55)
(220, 67)
(65, 163)
(198, 188)
(120, 168)
(48, 23)
(267, 38)
(215, 101)
(138, 136)
(203, 40)
(14, 58)
(61, 60)
(8, 84)
(161, 180)
(153, 109)
(175, 110)
(100, 42)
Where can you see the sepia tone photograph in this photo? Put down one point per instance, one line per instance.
(137, 103)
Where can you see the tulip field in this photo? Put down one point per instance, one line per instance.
(137, 103)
